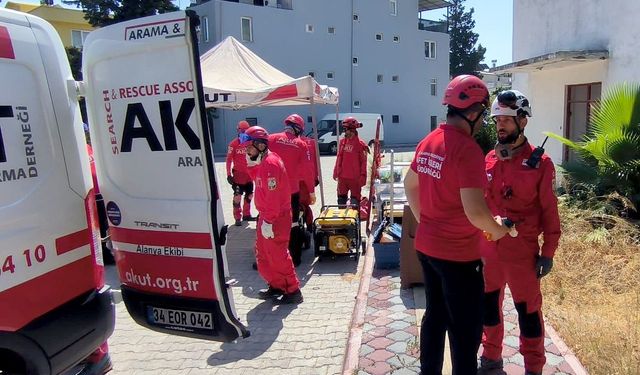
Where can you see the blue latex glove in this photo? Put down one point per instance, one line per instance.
(543, 266)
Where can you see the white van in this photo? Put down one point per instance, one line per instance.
(54, 307)
(327, 135)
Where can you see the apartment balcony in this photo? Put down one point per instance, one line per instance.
(429, 25)
(430, 8)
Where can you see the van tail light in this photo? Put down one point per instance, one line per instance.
(95, 242)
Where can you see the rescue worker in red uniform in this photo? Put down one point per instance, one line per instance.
(445, 190)
(273, 202)
(238, 177)
(297, 160)
(305, 196)
(351, 163)
(521, 187)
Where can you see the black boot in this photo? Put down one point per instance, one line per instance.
(270, 293)
(291, 298)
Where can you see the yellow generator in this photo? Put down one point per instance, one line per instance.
(336, 232)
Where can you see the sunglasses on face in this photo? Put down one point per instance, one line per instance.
(243, 137)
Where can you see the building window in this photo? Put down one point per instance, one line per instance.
(434, 87)
(312, 74)
(309, 119)
(78, 37)
(205, 29)
(395, 79)
(355, 61)
(356, 104)
(429, 49)
(253, 121)
(395, 119)
(580, 101)
(379, 78)
(331, 30)
(246, 29)
(393, 7)
(355, 17)
(379, 36)
(434, 122)
(329, 75)
(309, 28)
(396, 39)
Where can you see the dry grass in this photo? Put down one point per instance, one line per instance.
(592, 297)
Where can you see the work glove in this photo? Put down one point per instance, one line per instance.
(267, 230)
(312, 198)
(230, 180)
(363, 180)
(543, 266)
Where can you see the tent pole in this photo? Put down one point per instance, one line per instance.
(315, 136)
(337, 128)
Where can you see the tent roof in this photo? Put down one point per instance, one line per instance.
(234, 78)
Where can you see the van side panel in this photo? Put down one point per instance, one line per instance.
(54, 312)
(45, 257)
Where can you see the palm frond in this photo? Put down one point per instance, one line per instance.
(619, 108)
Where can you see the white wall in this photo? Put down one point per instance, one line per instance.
(546, 91)
(545, 26)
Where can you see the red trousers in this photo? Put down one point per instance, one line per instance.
(520, 275)
(272, 256)
(305, 205)
(346, 185)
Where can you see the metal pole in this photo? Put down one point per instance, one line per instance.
(315, 136)
(392, 183)
(337, 128)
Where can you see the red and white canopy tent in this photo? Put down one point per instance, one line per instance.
(235, 78)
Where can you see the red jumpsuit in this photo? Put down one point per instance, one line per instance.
(351, 168)
(305, 197)
(296, 158)
(526, 196)
(273, 202)
(242, 184)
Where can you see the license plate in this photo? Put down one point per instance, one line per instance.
(180, 318)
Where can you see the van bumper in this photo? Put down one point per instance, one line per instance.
(65, 336)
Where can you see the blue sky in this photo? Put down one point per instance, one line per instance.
(494, 19)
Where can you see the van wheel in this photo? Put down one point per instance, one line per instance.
(11, 363)
(333, 148)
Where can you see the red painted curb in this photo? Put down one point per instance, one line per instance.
(352, 352)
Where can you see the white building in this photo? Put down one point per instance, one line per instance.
(566, 54)
(379, 53)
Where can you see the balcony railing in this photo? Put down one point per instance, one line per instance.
(429, 25)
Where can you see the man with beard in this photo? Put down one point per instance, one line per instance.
(521, 187)
(273, 201)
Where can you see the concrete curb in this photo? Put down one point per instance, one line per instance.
(568, 355)
(352, 352)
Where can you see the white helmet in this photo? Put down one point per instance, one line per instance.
(511, 103)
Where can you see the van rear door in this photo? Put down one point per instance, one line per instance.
(155, 166)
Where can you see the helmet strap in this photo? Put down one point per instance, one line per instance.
(507, 151)
(471, 123)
